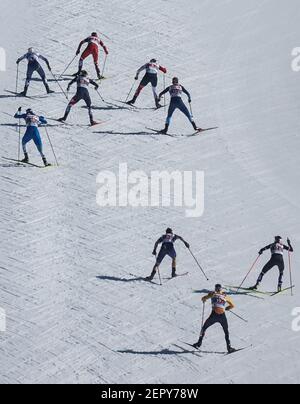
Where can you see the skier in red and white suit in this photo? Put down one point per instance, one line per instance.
(93, 42)
(152, 69)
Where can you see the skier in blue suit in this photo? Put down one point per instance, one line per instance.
(176, 91)
(32, 132)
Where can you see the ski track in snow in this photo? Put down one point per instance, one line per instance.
(74, 312)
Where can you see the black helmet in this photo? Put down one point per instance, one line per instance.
(29, 111)
(153, 61)
(169, 231)
(94, 34)
(175, 80)
(218, 287)
(278, 239)
(84, 73)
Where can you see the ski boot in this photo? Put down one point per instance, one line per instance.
(196, 127)
(279, 289)
(23, 93)
(46, 164)
(174, 275)
(230, 350)
(255, 287)
(94, 123)
(151, 277)
(198, 344)
(26, 158)
(165, 131)
(132, 102)
(50, 91)
(158, 104)
(62, 120)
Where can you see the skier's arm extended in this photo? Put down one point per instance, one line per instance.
(71, 83)
(159, 241)
(104, 47)
(164, 92)
(46, 61)
(93, 83)
(19, 115)
(80, 45)
(163, 69)
(207, 297)
(21, 58)
(42, 120)
(140, 71)
(231, 305)
(187, 93)
(289, 247)
(265, 249)
(184, 242)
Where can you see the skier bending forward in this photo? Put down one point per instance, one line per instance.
(32, 132)
(167, 249)
(176, 91)
(219, 300)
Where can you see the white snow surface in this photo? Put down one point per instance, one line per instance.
(74, 312)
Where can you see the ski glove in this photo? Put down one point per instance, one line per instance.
(136, 78)
(19, 109)
(261, 252)
(190, 101)
(154, 253)
(77, 52)
(96, 87)
(187, 245)
(289, 242)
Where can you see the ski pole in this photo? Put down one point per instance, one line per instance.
(236, 315)
(67, 67)
(290, 269)
(19, 142)
(197, 262)
(159, 276)
(51, 146)
(103, 100)
(165, 94)
(191, 109)
(130, 92)
(255, 262)
(203, 314)
(17, 79)
(64, 93)
(104, 65)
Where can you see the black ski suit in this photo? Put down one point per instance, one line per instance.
(276, 260)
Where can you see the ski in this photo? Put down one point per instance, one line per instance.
(249, 290)
(283, 290)
(141, 279)
(198, 132)
(218, 353)
(177, 276)
(32, 97)
(29, 164)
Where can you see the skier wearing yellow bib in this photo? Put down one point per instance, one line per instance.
(220, 304)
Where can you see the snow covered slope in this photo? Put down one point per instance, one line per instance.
(74, 312)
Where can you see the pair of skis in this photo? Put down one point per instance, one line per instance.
(194, 351)
(271, 294)
(19, 162)
(196, 133)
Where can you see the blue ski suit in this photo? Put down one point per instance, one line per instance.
(32, 131)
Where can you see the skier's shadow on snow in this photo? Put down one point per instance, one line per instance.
(115, 279)
(2, 96)
(127, 133)
(12, 125)
(154, 353)
(206, 291)
(49, 80)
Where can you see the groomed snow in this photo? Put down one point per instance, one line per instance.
(74, 312)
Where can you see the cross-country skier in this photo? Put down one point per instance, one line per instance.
(32, 132)
(219, 301)
(152, 68)
(34, 66)
(83, 82)
(93, 42)
(176, 91)
(277, 249)
(167, 249)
